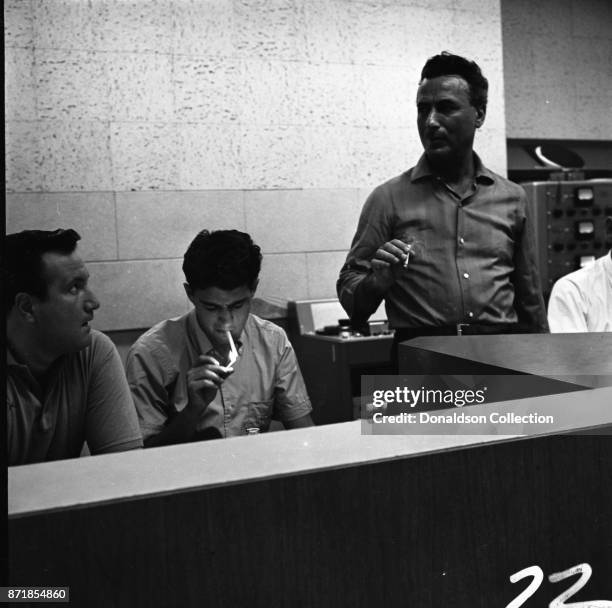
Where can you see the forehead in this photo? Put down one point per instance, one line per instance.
(444, 87)
(62, 267)
(222, 297)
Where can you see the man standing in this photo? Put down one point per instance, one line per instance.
(448, 244)
(65, 381)
(184, 384)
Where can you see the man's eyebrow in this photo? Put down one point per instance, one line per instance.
(79, 276)
(234, 303)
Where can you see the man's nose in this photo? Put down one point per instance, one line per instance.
(91, 302)
(432, 119)
(226, 316)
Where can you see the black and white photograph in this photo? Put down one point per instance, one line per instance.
(308, 303)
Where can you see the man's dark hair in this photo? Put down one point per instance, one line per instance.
(23, 266)
(447, 64)
(226, 259)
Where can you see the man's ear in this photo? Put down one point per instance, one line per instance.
(189, 292)
(480, 117)
(24, 306)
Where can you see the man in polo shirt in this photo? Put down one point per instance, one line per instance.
(65, 381)
(178, 370)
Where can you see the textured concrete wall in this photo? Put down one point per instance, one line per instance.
(141, 122)
(558, 68)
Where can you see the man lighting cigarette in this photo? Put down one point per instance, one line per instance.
(184, 384)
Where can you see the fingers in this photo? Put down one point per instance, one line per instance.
(206, 360)
(401, 245)
(392, 252)
(209, 374)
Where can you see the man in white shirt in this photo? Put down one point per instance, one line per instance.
(582, 300)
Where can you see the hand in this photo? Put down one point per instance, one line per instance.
(203, 380)
(388, 262)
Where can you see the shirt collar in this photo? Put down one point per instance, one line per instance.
(13, 361)
(608, 263)
(423, 170)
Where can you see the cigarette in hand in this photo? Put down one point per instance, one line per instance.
(408, 249)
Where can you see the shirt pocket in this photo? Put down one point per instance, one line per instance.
(259, 414)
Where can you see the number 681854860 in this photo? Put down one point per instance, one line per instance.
(585, 572)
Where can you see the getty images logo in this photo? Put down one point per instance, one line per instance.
(402, 395)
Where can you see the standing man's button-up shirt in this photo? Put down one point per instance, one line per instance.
(266, 382)
(472, 261)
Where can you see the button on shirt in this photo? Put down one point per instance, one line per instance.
(472, 258)
(266, 382)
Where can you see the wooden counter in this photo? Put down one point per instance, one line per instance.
(317, 517)
(324, 516)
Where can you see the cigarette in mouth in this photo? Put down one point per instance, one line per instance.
(233, 355)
